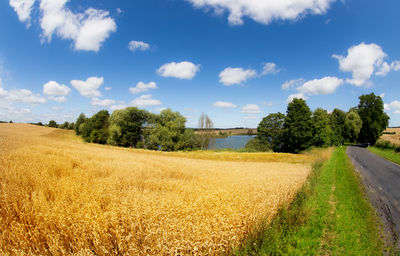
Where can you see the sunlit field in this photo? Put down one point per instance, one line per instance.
(61, 196)
(393, 138)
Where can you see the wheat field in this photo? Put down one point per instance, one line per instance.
(393, 138)
(60, 196)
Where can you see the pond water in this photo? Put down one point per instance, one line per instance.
(234, 142)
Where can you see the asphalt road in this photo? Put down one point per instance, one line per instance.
(382, 181)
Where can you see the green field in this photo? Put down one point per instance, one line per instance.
(330, 216)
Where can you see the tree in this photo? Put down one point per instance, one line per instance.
(53, 124)
(337, 119)
(352, 125)
(81, 119)
(322, 132)
(71, 126)
(95, 129)
(64, 125)
(126, 126)
(297, 133)
(205, 133)
(374, 119)
(269, 131)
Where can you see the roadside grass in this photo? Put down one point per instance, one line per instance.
(387, 153)
(330, 216)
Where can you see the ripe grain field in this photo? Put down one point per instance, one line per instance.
(60, 196)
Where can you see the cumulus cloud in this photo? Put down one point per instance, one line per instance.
(270, 68)
(323, 86)
(138, 46)
(363, 61)
(23, 8)
(264, 11)
(22, 95)
(142, 87)
(224, 104)
(394, 105)
(116, 107)
(55, 91)
(181, 70)
(146, 100)
(231, 76)
(88, 30)
(102, 102)
(292, 84)
(88, 88)
(251, 109)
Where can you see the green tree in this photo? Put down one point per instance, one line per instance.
(95, 129)
(53, 124)
(352, 125)
(374, 119)
(126, 126)
(337, 119)
(297, 133)
(64, 125)
(71, 126)
(81, 119)
(205, 132)
(322, 132)
(269, 131)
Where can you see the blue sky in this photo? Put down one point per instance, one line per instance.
(235, 60)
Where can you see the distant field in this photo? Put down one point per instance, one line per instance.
(239, 131)
(393, 138)
(62, 196)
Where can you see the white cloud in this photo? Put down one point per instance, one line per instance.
(394, 105)
(326, 85)
(138, 46)
(296, 96)
(362, 60)
(103, 103)
(395, 65)
(142, 87)
(181, 70)
(270, 68)
(88, 30)
(22, 95)
(88, 88)
(224, 104)
(107, 88)
(23, 8)
(264, 11)
(146, 100)
(58, 99)
(231, 76)
(251, 109)
(53, 89)
(116, 107)
(292, 83)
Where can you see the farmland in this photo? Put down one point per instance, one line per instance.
(393, 138)
(62, 196)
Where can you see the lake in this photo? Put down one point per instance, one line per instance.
(234, 142)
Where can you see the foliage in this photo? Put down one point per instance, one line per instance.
(65, 125)
(95, 129)
(352, 125)
(269, 131)
(256, 145)
(205, 133)
(81, 119)
(71, 126)
(297, 133)
(322, 132)
(53, 124)
(126, 126)
(374, 119)
(337, 119)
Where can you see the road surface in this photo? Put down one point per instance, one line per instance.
(382, 181)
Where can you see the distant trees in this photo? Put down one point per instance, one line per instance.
(374, 119)
(95, 129)
(81, 119)
(205, 133)
(53, 124)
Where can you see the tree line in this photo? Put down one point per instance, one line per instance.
(301, 128)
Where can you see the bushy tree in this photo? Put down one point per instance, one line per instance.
(81, 119)
(53, 124)
(64, 125)
(269, 131)
(352, 125)
(322, 132)
(205, 133)
(297, 133)
(95, 129)
(337, 119)
(374, 119)
(256, 145)
(126, 126)
(71, 126)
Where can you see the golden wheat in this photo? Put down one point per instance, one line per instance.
(61, 196)
(393, 138)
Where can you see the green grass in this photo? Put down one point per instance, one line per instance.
(330, 216)
(389, 154)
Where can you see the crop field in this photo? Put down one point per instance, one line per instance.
(61, 196)
(393, 138)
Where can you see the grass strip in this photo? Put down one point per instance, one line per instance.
(387, 153)
(330, 216)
